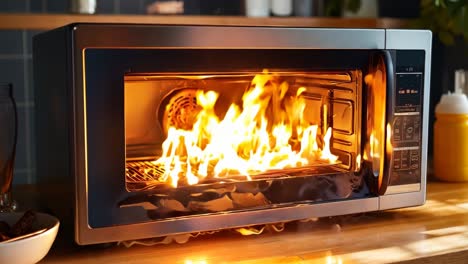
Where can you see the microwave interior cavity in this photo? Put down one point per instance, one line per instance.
(210, 142)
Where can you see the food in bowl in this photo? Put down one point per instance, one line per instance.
(36, 242)
(22, 227)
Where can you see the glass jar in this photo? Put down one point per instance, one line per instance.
(8, 137)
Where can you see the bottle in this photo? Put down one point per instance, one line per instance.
(257, 8)
(461, 80)
(451, 136)
(303, 8)
(83, 6)
(281, 7)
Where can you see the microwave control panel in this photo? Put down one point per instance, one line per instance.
(407, 118)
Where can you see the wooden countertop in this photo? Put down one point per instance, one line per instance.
(434, 233)
(49, 21)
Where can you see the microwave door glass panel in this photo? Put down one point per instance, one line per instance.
(212, 142)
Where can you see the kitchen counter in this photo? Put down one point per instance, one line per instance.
(434, 233)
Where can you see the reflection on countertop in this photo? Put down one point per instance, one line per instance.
(436, 232)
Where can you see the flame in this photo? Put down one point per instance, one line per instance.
(200, 261)
(374, 146)
(268, 132)
(252, 230)
(358, 162)
(389, 139)
(333, 260)
(247, 231)
(374, 150)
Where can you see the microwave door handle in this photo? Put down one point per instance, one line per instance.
(380, 82)
(388, 149)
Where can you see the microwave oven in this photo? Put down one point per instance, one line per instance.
(156, 130)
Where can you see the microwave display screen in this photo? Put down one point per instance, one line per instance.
(408, 89)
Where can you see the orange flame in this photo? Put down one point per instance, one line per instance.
(268, 132)
(247, 231)
(333, 260)
(374, 149)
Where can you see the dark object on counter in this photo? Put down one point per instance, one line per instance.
(4, 236)
(4, 230)
(22, 227)
(213, 7)
(399, 8)
(4, 227)
(24, 224)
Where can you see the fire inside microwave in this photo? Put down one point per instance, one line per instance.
(213, 142)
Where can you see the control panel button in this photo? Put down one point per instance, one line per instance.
(397, 129)
(397, 160)
(406, 159)
(414, 159)
(405, 162)
(406, 129)
(417, 127)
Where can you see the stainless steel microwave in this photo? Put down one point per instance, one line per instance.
(158, 130)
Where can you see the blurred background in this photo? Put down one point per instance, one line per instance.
(447, 19)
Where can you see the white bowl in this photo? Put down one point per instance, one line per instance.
(32, 249)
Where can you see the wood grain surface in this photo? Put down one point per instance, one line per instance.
(49, 21)
(434, 233)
